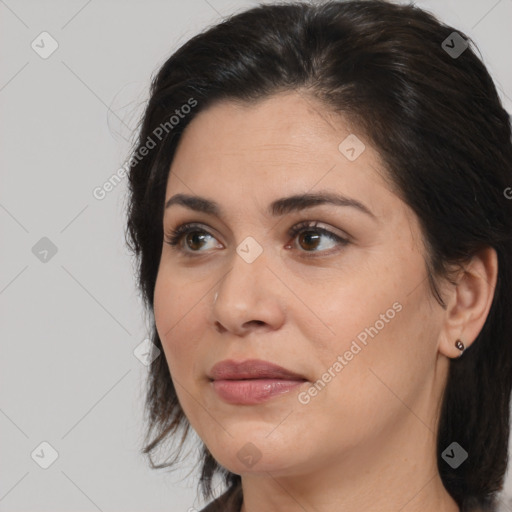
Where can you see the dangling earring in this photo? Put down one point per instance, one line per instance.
(460, 346)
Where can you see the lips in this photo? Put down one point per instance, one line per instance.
(251, 369)
(252, 382)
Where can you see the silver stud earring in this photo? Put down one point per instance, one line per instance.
(460, 346)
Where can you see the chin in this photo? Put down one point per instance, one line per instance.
(256, 454)
(260, 464)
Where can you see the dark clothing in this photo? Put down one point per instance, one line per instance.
(230, 501)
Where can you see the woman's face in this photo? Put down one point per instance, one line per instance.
(353, 317)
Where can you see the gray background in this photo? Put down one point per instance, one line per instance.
(70, 324)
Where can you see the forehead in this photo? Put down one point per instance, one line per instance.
(287, 142)
(287, 124)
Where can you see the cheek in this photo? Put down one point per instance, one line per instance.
(180, 313)
(179, 326)
(379, 321)
(176, 322)
(384, 348)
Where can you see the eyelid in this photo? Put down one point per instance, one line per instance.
(319, 226)
(304, 223)
(341, 240)
(174, 237)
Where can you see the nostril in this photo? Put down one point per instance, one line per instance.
(219, 327)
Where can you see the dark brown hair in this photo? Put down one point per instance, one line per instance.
(438, 124)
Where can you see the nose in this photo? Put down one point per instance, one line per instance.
(248, 296)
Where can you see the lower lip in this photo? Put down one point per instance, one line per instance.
(252, 391)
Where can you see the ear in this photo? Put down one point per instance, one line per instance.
(469, 302)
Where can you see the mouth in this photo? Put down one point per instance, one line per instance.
(252, 381)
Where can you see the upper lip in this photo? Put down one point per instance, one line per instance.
(251, 369)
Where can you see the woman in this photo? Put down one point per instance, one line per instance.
(319, 210)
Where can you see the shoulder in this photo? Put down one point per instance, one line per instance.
(230, 501)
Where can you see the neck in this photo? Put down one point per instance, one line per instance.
(411, 491)
(397, 471)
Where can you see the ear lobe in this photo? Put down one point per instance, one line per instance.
(469, 303)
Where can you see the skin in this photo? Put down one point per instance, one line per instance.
(366, 441)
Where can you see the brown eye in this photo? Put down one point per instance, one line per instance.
(194, 236)
(191, 239)
(195, 239)
(309, 237)
(309, 240)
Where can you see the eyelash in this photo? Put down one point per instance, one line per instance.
(174, 237)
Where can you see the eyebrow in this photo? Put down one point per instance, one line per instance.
(278, 207)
